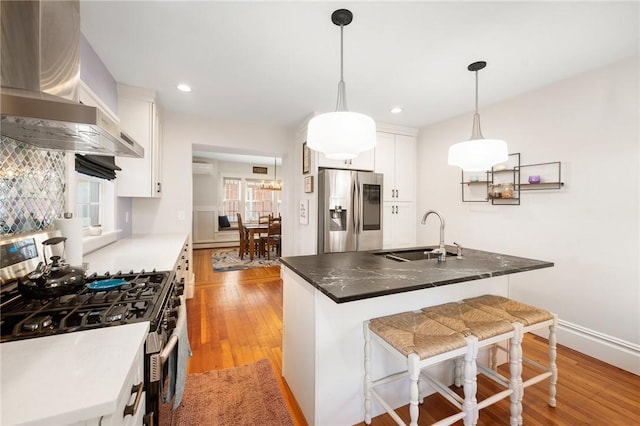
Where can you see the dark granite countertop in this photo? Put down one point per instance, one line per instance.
(346, 277)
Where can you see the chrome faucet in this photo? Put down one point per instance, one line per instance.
(441, 249)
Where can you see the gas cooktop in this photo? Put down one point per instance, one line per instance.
(130, 297)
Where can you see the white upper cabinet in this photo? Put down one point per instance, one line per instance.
(395, 157)
(364, 161)
(138, 111)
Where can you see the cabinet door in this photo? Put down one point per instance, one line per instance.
(364, 161)
(384, 163)
(388, 216)
(404, 229)
(399, 225)
(140, 176)
(405, 167)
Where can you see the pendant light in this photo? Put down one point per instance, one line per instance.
(275, 184)
(341, 135)
(478, 154)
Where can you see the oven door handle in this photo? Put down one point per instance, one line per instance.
(168, 348)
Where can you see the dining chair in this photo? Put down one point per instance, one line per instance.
(272, 239)
(244, 238)
(264, 220)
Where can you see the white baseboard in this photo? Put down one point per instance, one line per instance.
(614, 351)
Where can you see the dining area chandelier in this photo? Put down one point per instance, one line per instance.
(275, 184)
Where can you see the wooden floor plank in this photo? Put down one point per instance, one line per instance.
(236, 318)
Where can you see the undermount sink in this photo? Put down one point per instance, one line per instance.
(411, 255)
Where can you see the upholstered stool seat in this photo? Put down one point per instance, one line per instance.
(532, 318)
(421, 342)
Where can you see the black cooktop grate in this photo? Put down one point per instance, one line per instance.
(140, 299)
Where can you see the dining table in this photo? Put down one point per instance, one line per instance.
(254, 229)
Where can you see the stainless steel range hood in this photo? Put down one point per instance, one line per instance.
(40, 78)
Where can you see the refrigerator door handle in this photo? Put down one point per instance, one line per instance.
(356, 204)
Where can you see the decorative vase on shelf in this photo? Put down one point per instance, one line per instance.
(534, 179)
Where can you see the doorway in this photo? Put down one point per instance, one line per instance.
(226, 183)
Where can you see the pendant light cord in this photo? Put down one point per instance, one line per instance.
(341, 103)
(476, 92)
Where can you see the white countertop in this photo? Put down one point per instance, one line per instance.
(148, 252)
(78, 376)
(69, 377)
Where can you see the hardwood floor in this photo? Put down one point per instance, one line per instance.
(235, 318)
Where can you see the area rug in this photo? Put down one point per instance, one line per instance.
(247, 395)
(228, 260)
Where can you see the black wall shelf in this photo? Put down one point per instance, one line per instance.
(502, 185)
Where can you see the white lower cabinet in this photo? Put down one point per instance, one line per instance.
(399, 225)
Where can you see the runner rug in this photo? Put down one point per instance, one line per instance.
(228, 260)
(242, 396)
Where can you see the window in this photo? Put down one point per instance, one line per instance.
(231, 199)
(259, 202)
(88, 196)
(245, 196)
(95, 201)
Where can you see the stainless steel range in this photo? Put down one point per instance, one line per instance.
(105, 300)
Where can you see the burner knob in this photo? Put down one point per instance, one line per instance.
(176, 302)
(170, 324)
(179, 291)
(173, 313)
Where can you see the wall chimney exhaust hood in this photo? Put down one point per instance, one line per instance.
(40, 78)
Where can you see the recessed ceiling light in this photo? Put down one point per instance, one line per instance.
(184, 88)
(396, 110)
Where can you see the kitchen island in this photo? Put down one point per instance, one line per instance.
(326, 299)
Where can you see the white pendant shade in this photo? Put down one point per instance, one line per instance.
(341, 135)
(478, 155)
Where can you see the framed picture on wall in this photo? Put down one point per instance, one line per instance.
(308, 184)
(306, 159)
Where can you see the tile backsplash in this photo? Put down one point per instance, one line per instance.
(32, 187)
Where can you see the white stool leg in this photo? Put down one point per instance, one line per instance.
(493, 357)
(458, 371)
(552, 362)
(470, 404)
(414, 372)
(367, 374)
(515, 382)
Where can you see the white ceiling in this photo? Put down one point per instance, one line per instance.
(277, 62)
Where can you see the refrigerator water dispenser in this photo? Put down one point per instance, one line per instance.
(338, 220)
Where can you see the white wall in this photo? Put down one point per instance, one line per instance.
(207, 189)
(173, 211)
(306, 234)
(589, 229)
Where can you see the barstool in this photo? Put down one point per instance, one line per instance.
(489, 329)
(532, 319)
(421, 342)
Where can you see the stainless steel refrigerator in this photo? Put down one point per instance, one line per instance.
(350, 211)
